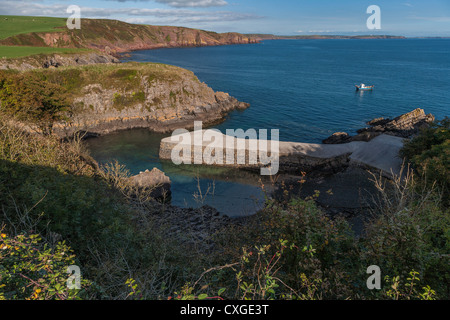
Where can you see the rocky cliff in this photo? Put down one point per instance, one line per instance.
(111, 97)
(113, 37)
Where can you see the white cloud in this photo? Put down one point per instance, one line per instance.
(184, 3)
(132, 15)
(194, 3)
(320, 31)
(433, 19)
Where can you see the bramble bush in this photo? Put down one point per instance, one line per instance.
(429, 153)
(411, 232)
(30, 270)
(407, 290)
(259, 276)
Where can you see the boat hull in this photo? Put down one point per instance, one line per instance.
(369, 88)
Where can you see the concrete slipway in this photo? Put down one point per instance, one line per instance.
(381, 153)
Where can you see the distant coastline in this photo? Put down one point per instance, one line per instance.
(22, 36)
(112, 37)
(260, 37)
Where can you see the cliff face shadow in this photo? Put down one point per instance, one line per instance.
(35, 198)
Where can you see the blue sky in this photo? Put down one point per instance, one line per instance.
(284, 17)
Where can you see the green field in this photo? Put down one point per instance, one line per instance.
(13, 25)
(23, 51)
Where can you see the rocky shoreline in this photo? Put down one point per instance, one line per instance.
(159, 122)
(403, 126)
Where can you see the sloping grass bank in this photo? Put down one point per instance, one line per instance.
(9, 52)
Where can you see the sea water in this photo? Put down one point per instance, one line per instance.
(304, 88)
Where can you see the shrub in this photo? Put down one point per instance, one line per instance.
(429, 153)
(396, 289)
(32, 99)
(30, 270)
(410, 231)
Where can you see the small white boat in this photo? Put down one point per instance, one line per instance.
(363, 87)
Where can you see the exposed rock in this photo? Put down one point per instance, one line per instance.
(56, 60)
(378, 122)
(161, 98)
(193, 228)
(242, 105)
(365, 136)
(154, 180)
(338, 137)
(51, 63)
(409, 123)
(404, 126)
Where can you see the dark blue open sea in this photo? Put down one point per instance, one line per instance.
(304, 88)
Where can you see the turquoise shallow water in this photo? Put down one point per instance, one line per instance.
(304, 88)
(232, 192)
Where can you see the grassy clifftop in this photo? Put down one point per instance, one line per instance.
(11, 26)
(14, 25)
(111, 36)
